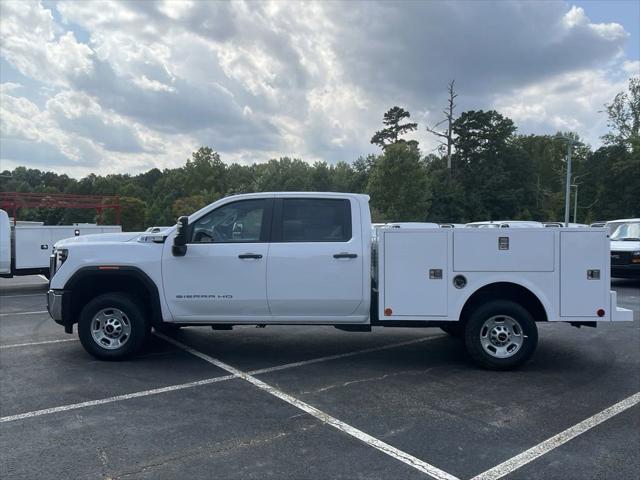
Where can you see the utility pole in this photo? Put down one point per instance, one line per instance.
(567, 193)
(576, 185)
(575, 204)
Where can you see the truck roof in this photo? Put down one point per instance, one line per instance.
(360, 197)
(299, 194)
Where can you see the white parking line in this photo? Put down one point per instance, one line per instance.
(181, 386)
(404, 457)
(43, 342)
(23, 295)
(527, 456)
(22, 313)
(342, 355)
(117, 398)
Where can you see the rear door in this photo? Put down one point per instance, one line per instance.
(315, 265)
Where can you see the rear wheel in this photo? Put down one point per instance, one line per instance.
(112, 326)
(501, 335)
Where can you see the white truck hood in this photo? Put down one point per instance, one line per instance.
(621, 246)
(99, 237)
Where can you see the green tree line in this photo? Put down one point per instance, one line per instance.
(495, 174)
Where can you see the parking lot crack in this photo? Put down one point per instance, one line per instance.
(216, 449)
(364, 380)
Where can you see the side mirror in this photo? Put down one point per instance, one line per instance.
(180, 240)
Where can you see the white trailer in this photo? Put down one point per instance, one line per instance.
(25, 248)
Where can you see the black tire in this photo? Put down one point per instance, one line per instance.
(455, 329)
(495, 313)
(130, 313)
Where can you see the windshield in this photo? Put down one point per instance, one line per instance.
(627, 231)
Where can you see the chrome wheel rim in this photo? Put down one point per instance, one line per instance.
(110, 328)
(501, 336)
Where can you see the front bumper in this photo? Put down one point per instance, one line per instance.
(57, 301)
(631, 270)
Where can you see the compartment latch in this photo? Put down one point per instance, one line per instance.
(593, 274)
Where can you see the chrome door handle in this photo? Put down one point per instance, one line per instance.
(345, 255)
(250, 255)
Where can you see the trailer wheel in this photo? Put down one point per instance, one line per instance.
(112, 326)
(500, 335)
(455, 329)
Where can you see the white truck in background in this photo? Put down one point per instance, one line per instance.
(310, 259)
(25, 248)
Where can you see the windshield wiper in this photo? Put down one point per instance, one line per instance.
(627, 239)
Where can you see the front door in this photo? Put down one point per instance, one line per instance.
(316, 261)
(222, 276)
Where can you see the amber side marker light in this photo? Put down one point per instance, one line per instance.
(388, 312)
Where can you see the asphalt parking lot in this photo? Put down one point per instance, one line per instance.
(315, 402)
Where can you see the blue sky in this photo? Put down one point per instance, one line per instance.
(131, 85)
(624, 12)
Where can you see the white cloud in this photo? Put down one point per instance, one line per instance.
(74, 135)
(631, 68)
(568, 102)
(32, 43)
(24, 121)
(577, 18)
(151, 81)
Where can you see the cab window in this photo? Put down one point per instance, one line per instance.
(315, 220)
(238, 222)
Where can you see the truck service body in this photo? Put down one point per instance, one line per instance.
(25, 248)
(309, 258)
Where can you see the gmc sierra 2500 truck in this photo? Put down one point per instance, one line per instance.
(310, 259)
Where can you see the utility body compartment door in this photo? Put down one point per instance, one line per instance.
(503, 250)
(32, 247)
(415, 273)
(582, 254)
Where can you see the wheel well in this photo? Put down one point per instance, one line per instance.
(506, 291)
(89, 284)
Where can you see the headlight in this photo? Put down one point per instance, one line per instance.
(635, 257)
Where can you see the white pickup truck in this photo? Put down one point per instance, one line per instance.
(309, 259)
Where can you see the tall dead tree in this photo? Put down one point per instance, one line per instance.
(447, 134)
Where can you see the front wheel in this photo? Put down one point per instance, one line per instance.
(501, 335)
(112, 327)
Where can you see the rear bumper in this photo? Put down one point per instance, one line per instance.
(57, 306)
(619, 314)
(631, 270)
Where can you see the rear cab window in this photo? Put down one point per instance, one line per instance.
(313, 220)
